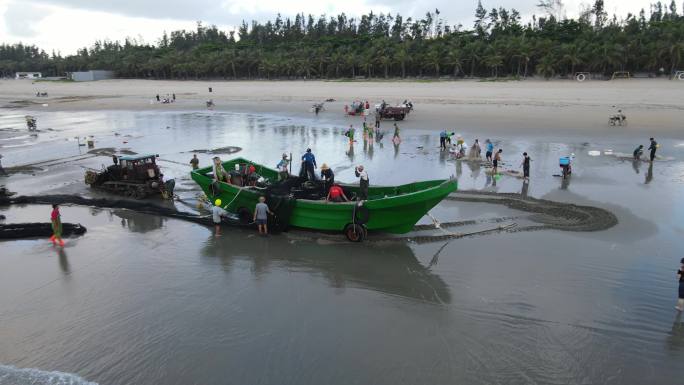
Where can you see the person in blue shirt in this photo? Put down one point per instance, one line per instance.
(309, 161)
(490, 150)
(442, 139)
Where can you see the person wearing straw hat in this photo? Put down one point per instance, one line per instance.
(282, 167)
(327, 175)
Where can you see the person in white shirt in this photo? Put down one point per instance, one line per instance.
(363, 182)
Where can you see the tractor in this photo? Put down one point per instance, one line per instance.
(136, 176)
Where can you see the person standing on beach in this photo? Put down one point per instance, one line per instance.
(157, 97)
(653, 147)
(261, 212)
(396, 132)
(174, 96)
(56, 220)
(194, 162)
(495, 162)
(680, 277)
(377, 119)
(490, 150)
(443, 139)
(526, 166)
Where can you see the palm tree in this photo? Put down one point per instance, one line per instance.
(493, 60)
(572, 55)
(473, 50)
(433, 58)
(455, 57)
(337, 59)
(402, 56)
(367, 61)
(352, 61)
(545, 67)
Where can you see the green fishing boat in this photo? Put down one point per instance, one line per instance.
(391, 209)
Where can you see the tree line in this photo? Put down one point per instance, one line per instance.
(388, 46)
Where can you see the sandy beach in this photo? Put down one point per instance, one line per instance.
(653, 106)
(554, 281)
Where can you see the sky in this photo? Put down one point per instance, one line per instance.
(67, 25)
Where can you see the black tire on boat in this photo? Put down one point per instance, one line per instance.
(354, 232)
(361, 214)
(245, 215)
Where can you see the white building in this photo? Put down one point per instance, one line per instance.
(88, 76)
(28, 75)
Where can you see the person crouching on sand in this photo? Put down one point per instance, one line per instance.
(56, 220)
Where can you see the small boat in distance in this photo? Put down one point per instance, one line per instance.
(298, 203)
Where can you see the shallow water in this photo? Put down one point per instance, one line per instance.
(142, 300)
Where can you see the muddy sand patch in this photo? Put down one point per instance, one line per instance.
(219, 151)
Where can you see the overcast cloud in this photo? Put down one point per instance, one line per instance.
(66, 25)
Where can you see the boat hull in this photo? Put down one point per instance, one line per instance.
(391, 209)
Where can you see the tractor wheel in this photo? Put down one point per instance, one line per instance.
(355, 232)
(399, 117)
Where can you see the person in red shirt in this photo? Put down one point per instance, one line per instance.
(336, 194)
(56, 220)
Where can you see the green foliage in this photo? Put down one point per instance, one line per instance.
(387, 46)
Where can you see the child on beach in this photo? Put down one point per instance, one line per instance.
(216, 213)
(261, 212)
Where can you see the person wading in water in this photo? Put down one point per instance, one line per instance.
(680, 276)
(56, 220)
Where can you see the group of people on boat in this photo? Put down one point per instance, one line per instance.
(332, 191)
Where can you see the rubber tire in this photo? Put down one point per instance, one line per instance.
(245, 215)
(354, 232)
(361, 214)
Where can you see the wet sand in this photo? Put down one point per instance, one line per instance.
(147, 299)
(653, 106)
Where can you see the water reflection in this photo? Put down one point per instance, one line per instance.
(63, 261)
(525, 188)
(391, 269)
(675, 340)
(636, 164)
(139, 223)
(649, 174)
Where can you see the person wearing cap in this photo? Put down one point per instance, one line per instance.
(282, 166)
(336, 194)
(363, 182)
(216, 213)
(327, 175)
(680, 276)
(220, 174)
(653, 147)
(309, 161)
